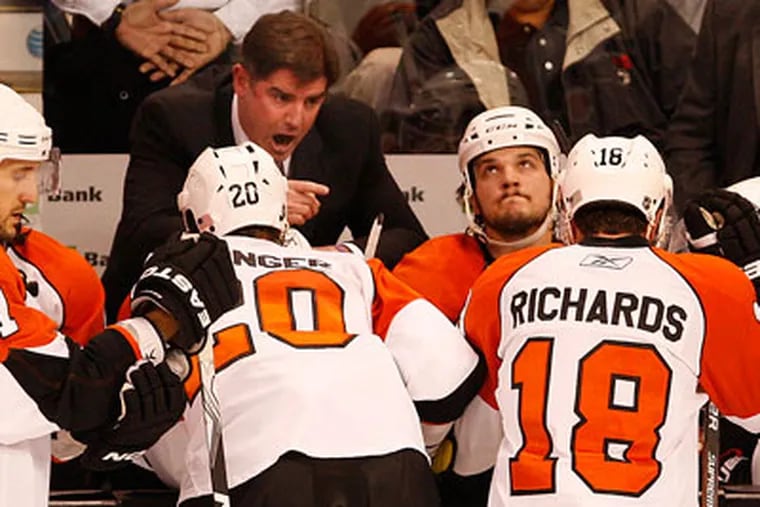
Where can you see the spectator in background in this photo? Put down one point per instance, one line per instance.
(328, 146)
(379, 34)
(437, 90)
(120, 53)
(603, 66)
(384, 25)
(508, 160)
(714, 136)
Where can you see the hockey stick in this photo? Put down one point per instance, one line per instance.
(212, 419)
(374, 237)
(710, 453)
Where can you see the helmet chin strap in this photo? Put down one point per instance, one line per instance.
(502, 247)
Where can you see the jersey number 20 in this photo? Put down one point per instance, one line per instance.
(621, 400)
(300, 307)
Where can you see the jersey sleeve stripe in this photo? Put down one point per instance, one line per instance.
(142, 338)
(452, 406)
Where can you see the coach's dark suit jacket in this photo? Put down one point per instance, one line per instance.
(714, 136)
(174, 125)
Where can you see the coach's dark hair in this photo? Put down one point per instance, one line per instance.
(610, 217)
(287, 40)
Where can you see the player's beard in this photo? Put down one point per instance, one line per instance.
(10, 234)
(515, 225)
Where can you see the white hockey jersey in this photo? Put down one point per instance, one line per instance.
(327, 356)
(595, 355)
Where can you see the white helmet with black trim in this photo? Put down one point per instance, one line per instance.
(504, 127)
(614, 169)
(25, 136)
(234, 187)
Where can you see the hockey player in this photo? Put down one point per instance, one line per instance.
(335, 355)
(508, 159)
(46, 380)
(596, 351)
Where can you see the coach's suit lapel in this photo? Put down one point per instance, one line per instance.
(308, 163)
(755, 64)
(223, 135)
(308, 159)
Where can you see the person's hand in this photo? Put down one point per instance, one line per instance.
(153, 400)
(191, 278)
(164, 44)
(217, 37)
(724, 223)
(302, 200)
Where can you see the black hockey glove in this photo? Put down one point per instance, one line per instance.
(192, 278)
(724, 223)
(152, 402)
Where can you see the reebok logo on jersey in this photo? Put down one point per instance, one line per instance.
(601, 261)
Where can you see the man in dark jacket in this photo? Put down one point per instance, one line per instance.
(714, 135)
(602, 66)
(328, 147)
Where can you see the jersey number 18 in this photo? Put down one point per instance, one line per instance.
(621, 400)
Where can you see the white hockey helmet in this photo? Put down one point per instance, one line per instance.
(234, 187)
(503, 127)
(617, 169)
(25, 136)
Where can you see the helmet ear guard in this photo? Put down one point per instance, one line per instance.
(231, 188)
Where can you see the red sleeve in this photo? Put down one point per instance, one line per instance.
(125, 310)
(391, 295)
(731, 348)
(441, 371)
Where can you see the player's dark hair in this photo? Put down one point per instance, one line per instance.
(259, 231)
(610, 217)
(287, 40)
